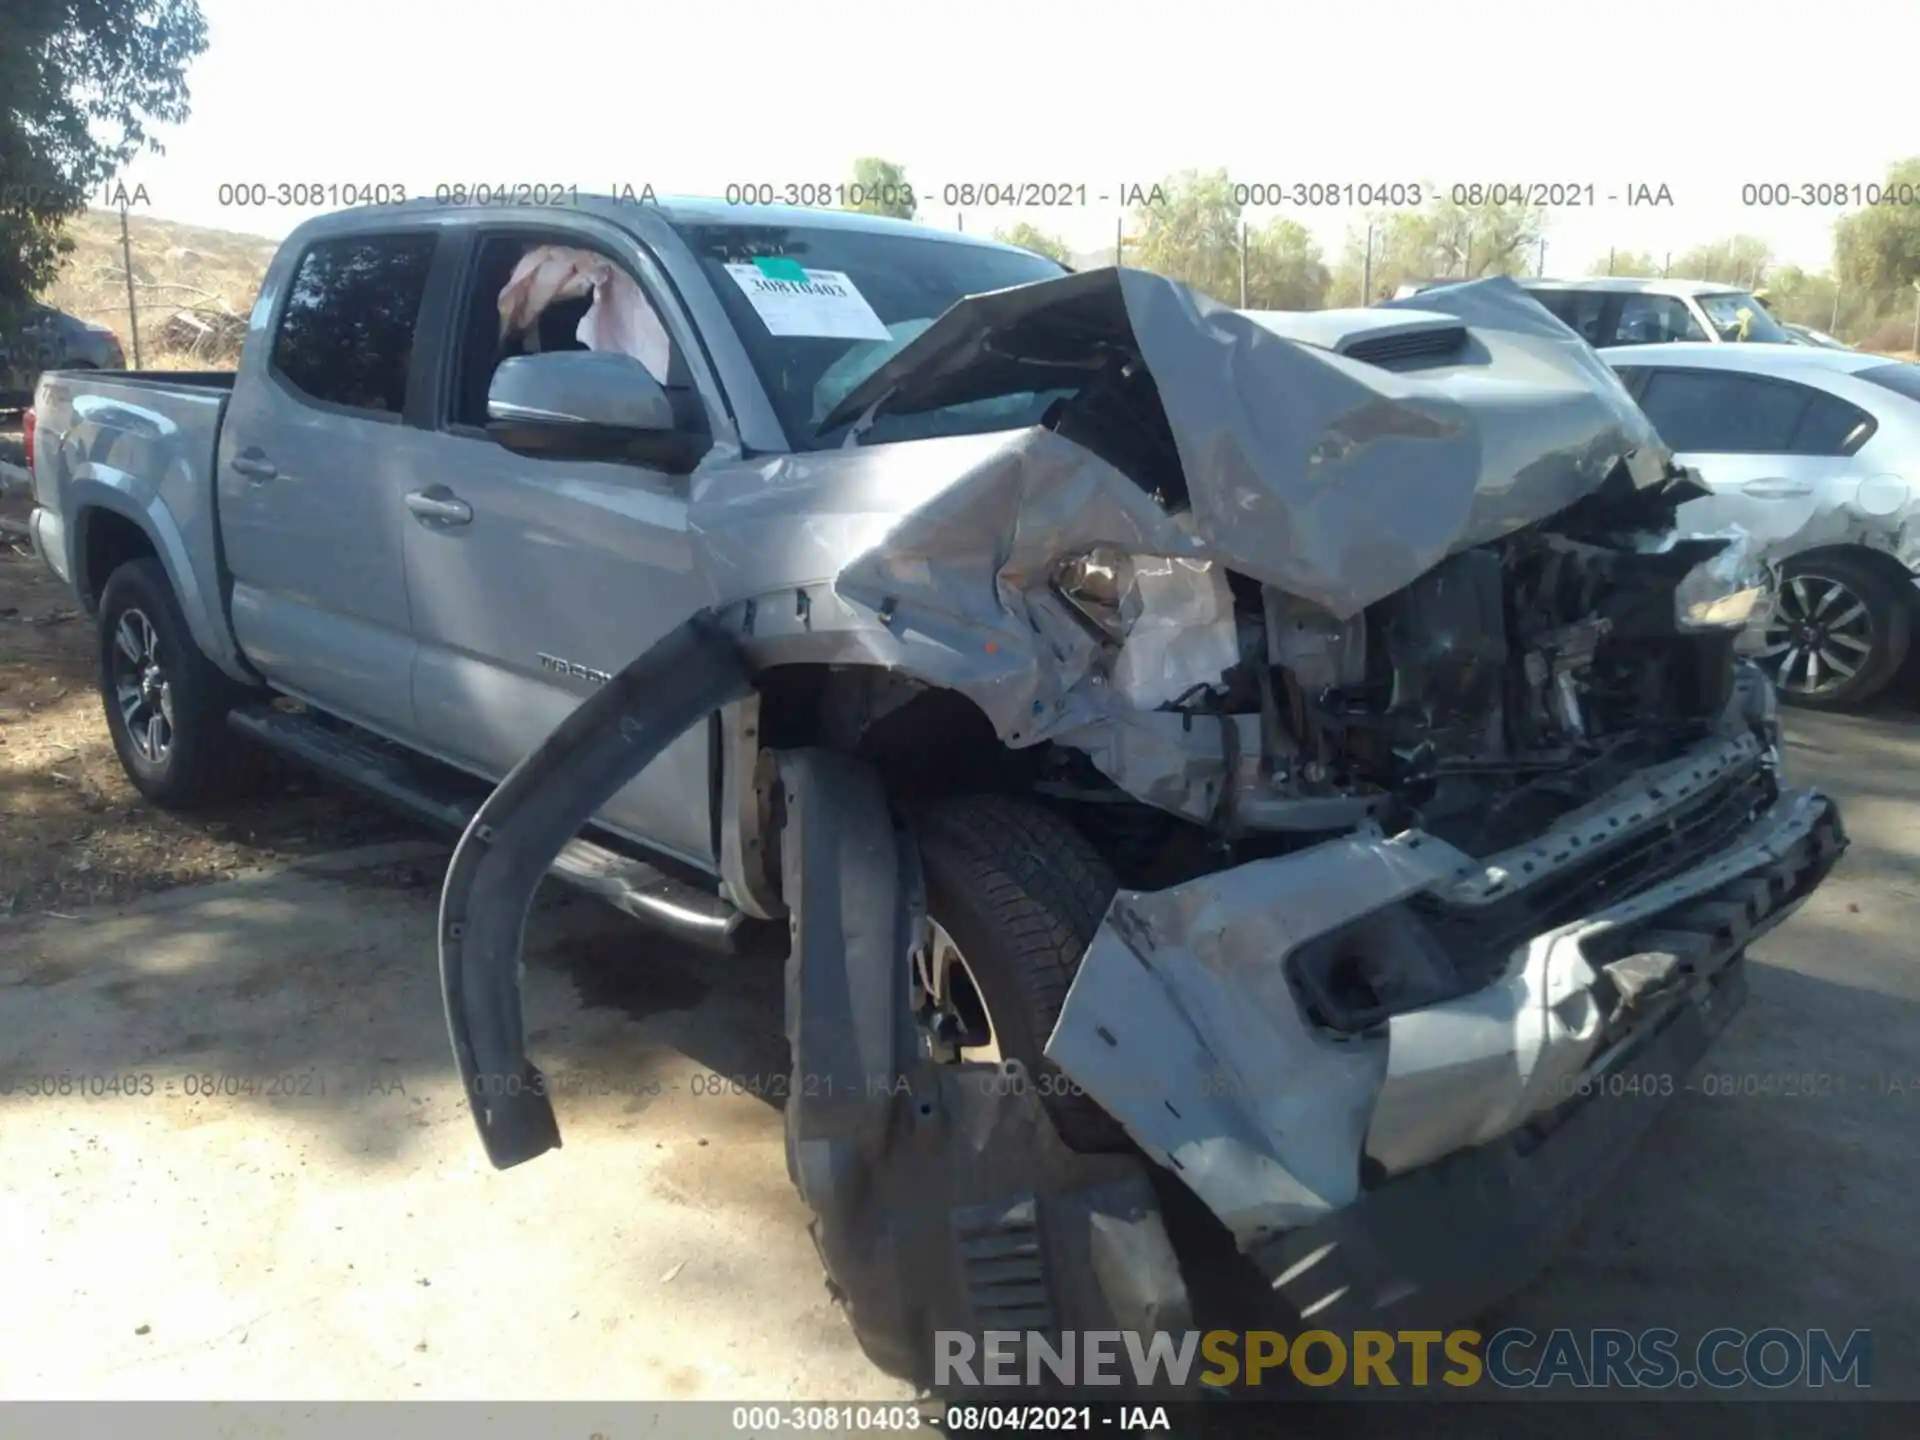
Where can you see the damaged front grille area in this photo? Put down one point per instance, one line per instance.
(1702, 826)
(1434, 947)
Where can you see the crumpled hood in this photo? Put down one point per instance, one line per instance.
(1329, 477)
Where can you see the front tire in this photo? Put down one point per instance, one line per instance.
(1839, 634)
(1019, 892)
(166, 703)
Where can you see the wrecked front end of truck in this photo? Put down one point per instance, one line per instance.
(1439, 808)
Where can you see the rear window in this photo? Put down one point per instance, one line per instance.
(346, 335)
(1899, 378)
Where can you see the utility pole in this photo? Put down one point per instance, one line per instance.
(1610, 260)
(1542, 271)
(1833, 323)
(126, 259)
(1243, 264)
(1366, 270)
(1667, 268)
(1916, 315)
(1119, 239)
(960, 221)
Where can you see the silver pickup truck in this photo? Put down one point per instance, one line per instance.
(1238, 791)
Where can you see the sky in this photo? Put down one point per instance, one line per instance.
(693, 98)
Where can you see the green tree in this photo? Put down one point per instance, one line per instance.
(1878, 248)
(1445, 241)
(82, 81)
(1030, 237)
(883, 188)
(1737, 260)
(1192, 230)
(1804, 298)
(1284, 268)
(1640, 264)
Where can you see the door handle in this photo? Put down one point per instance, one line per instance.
(255, 466)
(438, 505)
(1776, 488)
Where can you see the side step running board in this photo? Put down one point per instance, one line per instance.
(641, 890)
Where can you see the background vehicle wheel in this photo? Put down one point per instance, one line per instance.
(1015, 893)
(1839, 632)
(166, 703)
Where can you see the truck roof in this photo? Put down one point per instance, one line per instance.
(1637, 285)
(674, 210)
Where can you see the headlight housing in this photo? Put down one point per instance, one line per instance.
(1171, 617)
(1727, 591)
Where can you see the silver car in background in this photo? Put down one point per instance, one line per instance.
(1816, 454)
(35, 337)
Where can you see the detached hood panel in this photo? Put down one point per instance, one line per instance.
(1327, 476)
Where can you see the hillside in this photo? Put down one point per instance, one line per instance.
(193, 286)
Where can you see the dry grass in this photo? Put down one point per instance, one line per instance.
(209, 274)
(73, 832)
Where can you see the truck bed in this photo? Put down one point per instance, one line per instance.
(141, 444)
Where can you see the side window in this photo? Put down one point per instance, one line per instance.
(1655, 319)
(1631, 376)
(346, 334)
(1578, 310)
(1831, 426)
(531, 294)
(1716, 411)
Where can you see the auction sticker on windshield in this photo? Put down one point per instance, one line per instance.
(817, 304)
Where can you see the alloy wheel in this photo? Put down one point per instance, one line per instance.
(141, 688)
(960, 1023)
(1820, 635)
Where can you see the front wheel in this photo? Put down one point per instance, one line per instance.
(1015, 894)
(1839, 632)
(166, 703)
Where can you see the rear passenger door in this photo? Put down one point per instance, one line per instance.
(1770, 450)
(316, 452)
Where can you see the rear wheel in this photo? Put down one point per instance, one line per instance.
(1015, 894)
(1839, 632)
(166, 703)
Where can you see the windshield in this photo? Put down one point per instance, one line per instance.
(818, 310)
(1738, 316)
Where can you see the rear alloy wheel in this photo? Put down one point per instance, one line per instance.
(141, 689)
(166, 703)
(1839, 633)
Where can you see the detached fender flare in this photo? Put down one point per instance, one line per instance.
(511, 843)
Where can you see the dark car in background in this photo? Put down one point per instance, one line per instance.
(35, 337)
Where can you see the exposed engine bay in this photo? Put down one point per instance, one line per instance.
(1510, 684)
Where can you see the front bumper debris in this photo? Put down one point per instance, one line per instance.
(1438, 1245)
(1188, 1024)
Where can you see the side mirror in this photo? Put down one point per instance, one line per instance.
(594, 405)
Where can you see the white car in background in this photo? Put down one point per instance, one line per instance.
(1609, 311)
(1816, 454)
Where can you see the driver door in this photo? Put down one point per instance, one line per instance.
(532, 579)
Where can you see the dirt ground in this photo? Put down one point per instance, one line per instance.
(261, 1181)
(73, 832)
